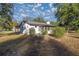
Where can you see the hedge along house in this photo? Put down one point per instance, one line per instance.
(39, 27)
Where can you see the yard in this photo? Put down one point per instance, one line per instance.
(18, 30)
(19, 44)
(71, 40)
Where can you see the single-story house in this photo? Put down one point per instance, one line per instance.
(37, 26)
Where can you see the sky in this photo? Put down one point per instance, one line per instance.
(33, 10)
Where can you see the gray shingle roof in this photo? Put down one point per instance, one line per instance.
(40, 24)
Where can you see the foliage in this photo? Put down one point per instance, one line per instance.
(1, 28)
(32, 31)
(54, 23)
(58, 31)
(6, 15)
(44, 32)
(14, 23)
(5, 23)
(39, 19)
(74, 24)
(77, 30)
(67, 15)
(6, 10)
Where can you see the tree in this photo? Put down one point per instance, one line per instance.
(6, 15)
(14, 23)
(6, 10)
(68, 15)
(39, 19)
(54, 23)
(5, 24)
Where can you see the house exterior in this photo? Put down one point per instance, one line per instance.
(37, 26)
(16, 29)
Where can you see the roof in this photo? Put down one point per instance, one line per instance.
(40, 24)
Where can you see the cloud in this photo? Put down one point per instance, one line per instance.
(21, 10)
(20, 3)
(30, 5)
(42, 8)
(33, 9)
(36, 10)
(48, 17)
(15, 8)
(27, 10)
(37, 5)
(14, 16)
(50, 4)
(43, 13)
(48, 11)
(23, 15)
(53, 9)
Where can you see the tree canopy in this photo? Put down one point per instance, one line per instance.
(68, 15)
(6, 11)
(39, 19)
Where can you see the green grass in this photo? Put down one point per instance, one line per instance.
(58, 31)
(6, 33)
(9, 37)
(14, 42)
(71, 40)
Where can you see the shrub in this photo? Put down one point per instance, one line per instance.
(1, 28)
(32, 31)
(44, 32)
(77, 30)
(58, 31)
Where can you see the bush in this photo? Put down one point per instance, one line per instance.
(77, 30)
(44, 32)
(32, 31)
(1, 28)
(58, 31)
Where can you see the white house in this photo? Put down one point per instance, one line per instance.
(37, 26)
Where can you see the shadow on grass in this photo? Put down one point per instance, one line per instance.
(38, 47)
(33, 50)
(8, 46)
(48, 48)
(60, 49)
(13, 33)
(75, 37)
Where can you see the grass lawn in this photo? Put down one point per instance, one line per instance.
(43, 45)
(71, 40)
(14, 42)
(8, 35)
(6, 32)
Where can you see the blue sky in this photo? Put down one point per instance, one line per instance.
(33, 10)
